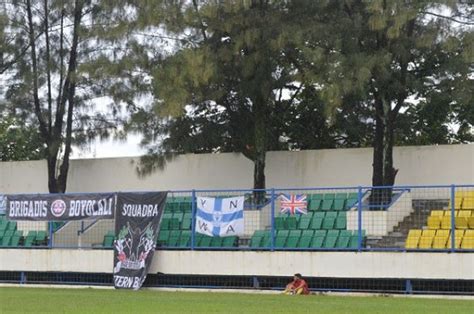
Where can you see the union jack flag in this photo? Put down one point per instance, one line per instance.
(292, 204)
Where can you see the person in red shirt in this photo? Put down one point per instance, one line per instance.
(297, 286)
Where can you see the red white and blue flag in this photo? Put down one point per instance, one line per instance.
(293, 204)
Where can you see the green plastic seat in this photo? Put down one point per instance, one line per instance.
(185, 206)
(305, 221)
(314, 205)
(205, 241)
(216, 242)
(167, 215)
(306, 238)
(256, 240)
(280, 223)
(351, 202)
(333, 233)
(293, 239)
(12, 225)
(178, 215)
(187, 221)
(328, 223)
(185, 239)
(331, 214)
(353, 242)
(173, 240)
(316, 223)
(339, 204)
(174, 224)
(108, 241)
(329, 196)
(340, 196)
(316, 196)
(6, 240)
(329, 242)
(320, 233)
(354, 195)
(291, 222)
(281, 237)
(345, 233)
(230, 241)
(327, 204)
(341, 222)
(41, 238)
(165, 224)
(342, 242)
(15, 241)
(30, 238)
(317, 242)
(163, 237)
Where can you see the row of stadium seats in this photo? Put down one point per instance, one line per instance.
(10, 236)
(441, 219)
(317, 220)
(307, 239)
(464, 199)
(316, 202)
(14, 238)
(439, 239)
(178, 238)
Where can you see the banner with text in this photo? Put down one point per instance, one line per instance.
(59, 207)
(136, 231)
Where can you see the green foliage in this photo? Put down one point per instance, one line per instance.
(19, 142)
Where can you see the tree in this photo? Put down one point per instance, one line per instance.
(226, 78)
(396, 53)
(55, 48)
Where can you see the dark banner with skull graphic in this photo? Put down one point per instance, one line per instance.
(136, 231)
(60, 207)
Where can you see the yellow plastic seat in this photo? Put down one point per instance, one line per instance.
(467, 243)
(414, 233)
(461, 222)
(437, 213)
(464, 213)
(446, 222)
(442, 233)
(412, 242)
(439, 242)
(469, 233)
(434, 222)
(468, 200)
(457, 242)
(425, 242)
(470, 222)
(458, 198)
(428, 233)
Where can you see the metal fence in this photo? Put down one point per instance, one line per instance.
(399, 218)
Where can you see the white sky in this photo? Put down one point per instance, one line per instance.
(110, 148)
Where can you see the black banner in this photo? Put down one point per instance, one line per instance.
(136, 231)
(58, 207)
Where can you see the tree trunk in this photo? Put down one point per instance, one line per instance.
(260, 150)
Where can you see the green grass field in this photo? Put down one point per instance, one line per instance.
(44, 300)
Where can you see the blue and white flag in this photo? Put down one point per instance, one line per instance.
(220, 217)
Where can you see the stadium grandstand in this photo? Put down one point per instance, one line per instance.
(316, 217)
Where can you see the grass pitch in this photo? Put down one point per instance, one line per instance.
(44, 300)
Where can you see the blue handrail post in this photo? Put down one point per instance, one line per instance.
(453, 226)
(193, 219)
(359, 219)
(50, 231)
(273, 220)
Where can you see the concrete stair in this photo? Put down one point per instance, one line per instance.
(416, 220)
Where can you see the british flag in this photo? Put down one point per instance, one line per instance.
(292, 204)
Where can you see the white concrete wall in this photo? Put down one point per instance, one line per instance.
(418, 165)
(245, 263)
